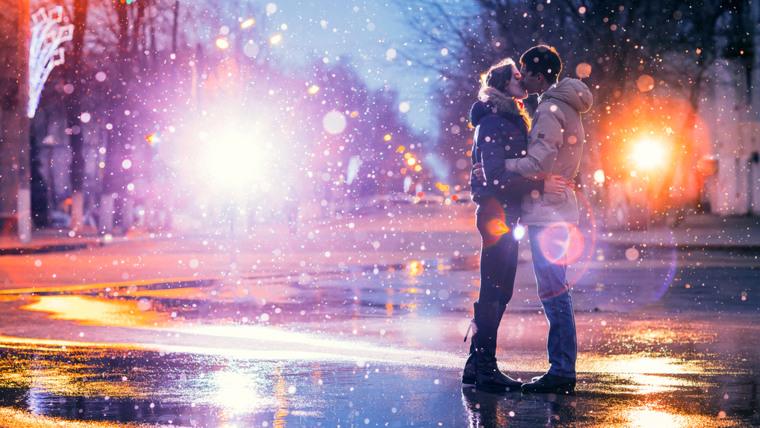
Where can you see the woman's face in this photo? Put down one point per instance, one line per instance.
(514, 88)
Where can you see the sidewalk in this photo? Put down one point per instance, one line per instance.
(697, 232)
(47, 241)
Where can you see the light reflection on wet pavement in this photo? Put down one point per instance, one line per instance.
(382, 346)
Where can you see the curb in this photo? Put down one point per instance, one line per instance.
(47, 248)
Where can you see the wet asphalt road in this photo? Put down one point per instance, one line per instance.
(329, 336)
(662, 343)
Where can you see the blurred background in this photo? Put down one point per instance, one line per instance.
(178, 115)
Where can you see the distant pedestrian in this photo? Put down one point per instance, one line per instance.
(555, 146)
(501, 132)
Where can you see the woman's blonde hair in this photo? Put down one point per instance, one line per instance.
(497, 77)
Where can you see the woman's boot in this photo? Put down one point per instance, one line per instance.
(488, 377)
(470, 371)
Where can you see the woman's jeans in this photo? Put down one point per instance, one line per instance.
(498, 257)
(554, 293)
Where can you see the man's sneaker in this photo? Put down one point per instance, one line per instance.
(549, 383)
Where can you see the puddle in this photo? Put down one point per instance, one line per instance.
(183, 389)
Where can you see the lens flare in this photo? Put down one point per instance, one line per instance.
(519, 232)
(561, 243)
(497, 227)
(492, 228)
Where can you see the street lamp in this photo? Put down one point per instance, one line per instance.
(649, 154)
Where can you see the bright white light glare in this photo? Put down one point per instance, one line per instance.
(390, 54)
(518, 232)
(404, 106)
(235, 158)
(85, 117)
(271, 8)
(649, 154)
(237, 391)
(126, 164)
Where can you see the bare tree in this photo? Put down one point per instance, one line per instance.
(611, 44)
(73, 107)
(458, 45)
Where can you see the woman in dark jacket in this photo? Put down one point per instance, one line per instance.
(501, 132)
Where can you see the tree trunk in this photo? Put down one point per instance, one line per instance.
(74, 112)
(15, 196)
(117, 174)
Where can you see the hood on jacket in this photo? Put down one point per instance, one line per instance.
(572, 92)
(478, 111)
(495, 102)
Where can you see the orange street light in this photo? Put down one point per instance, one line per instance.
(649, 154)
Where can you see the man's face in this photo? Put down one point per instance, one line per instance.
(529, 81)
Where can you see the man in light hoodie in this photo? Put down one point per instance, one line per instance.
(555, 146)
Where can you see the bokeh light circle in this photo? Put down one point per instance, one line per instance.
(562, 243)
(334, 122)
(583, 70)
(645, 83)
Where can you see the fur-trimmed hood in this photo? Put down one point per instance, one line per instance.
(493, 101)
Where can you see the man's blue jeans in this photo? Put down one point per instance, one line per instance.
(553, 290)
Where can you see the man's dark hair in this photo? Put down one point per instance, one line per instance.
(542, 59)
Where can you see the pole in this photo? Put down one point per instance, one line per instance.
(174, 27)
(15, 177)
